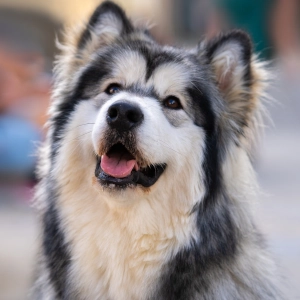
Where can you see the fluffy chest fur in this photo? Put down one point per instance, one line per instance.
(118, 253)
(112, 260)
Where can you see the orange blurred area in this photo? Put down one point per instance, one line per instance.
(23, 84)
(28, 29)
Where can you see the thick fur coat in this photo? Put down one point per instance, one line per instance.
(146, 183)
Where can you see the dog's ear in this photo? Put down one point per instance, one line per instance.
(237, 78)
(230, 57)
(106, 24)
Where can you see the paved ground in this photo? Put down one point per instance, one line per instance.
(278, 212)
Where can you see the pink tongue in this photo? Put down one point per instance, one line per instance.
(116, 166)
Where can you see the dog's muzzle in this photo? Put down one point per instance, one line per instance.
(122, 164)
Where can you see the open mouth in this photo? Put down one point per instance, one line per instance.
(118, 166)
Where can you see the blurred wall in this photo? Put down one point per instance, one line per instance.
(70, 11)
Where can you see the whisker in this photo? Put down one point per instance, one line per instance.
(78, 138)
(83, 125)
(194, 85)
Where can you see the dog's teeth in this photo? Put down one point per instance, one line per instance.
(136, 166)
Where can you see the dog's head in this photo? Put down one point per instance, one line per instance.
(141, 115)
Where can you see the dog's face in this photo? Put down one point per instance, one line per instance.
(144, 115)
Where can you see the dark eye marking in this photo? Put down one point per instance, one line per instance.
(172, 102)
(113, 89)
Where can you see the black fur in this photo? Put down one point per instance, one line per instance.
(105, 8)
(90, 77)
(193, 270)
(55, 249)
(136, 89)
(156, 59)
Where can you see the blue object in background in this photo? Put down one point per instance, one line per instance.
(17, 146)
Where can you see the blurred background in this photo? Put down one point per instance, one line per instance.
(27, 33)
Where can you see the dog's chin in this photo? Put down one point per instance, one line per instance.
(139, 176)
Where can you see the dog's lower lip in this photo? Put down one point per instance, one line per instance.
(136, 177)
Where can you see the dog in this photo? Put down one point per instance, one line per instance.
(146, 181)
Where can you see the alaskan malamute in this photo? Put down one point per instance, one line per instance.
(145, 178)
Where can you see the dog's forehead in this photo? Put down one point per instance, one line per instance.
(162, 69)
(130, 66)
(170, 77)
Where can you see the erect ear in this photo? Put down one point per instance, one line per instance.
(237, 76)
(230, 57)
(107, 23)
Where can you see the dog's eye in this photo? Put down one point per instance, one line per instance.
(113, 89)
(172, 102)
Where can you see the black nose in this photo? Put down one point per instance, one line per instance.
(124, 116)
